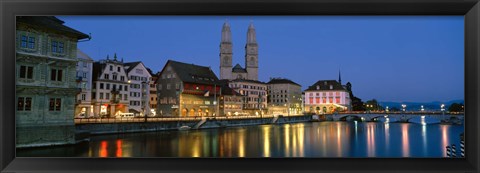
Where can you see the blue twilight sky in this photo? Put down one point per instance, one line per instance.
(389, 58)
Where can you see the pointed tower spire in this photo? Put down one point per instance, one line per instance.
(108, 57)
(339, 77)
(251, 53)
(226, 33)
(251, 36)
(226, 52)
(115, 57)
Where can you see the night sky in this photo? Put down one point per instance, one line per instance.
(389, 58)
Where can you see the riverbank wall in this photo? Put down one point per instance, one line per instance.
(132, 127)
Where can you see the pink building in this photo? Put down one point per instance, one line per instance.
(327, 96)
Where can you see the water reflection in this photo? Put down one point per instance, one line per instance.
(371, 140)
(405, 140)
(444, 140)
(316, 139)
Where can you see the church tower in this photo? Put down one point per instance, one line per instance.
(251, 54)
(226, 52)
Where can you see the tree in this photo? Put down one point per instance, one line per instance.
(372, 105)
(357, 104)
(456, 107)
(394, 109)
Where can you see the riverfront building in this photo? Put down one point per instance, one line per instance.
(327, 96)
(153, 92)
(284, 97)
(231, 102)
(83, 104)
(187, 90)
(46, 87)
(110, 88)
(226, 54)
(254, 95)
(139, 81)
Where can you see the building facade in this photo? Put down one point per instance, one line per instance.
(46, 87)
(83, 104)
(110, 88)
(254, 95)
(231, 102)
(327, 96)
(187, 90)
(139, 80)
(250, 72)
(153, 92)
(284, 96)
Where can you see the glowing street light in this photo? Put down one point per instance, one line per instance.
(403, 107)
(442, 107)
(422, 108)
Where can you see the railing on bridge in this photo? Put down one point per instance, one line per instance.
(165, 119)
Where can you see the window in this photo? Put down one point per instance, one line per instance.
(56, 75)
(168, 86)
(118, 69)
(83, 96)
(85, 64)
(107, 96)
(159, 86)
(114, 77)
(108, 86)
(84, 75)
(24, 104)
(126, 87)
(60, 47)
(177, 86)
(106, 76)
(55, 104)
(120, 87)
(94, 96)
(26, 72)
(114, 87)
(101, 85)
(31, 42)
(24, 41)
(122, 78)
(54, 46)
(111, 68)
(125, 96)
(101, 95)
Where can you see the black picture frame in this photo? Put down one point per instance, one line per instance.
(9, 9)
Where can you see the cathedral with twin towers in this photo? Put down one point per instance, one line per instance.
(229, 72)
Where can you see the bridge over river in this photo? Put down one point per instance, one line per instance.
(396, 117)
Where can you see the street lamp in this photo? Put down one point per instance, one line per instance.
(403, 107)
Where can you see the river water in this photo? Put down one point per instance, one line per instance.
(427, 138)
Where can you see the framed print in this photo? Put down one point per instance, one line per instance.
(257, 86)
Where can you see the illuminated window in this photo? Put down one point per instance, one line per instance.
(24, 104)
(55, 104)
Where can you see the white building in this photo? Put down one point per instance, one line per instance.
(109, 88)
(254, 95)
(139, 80)
(327, 96)
(83, 104)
